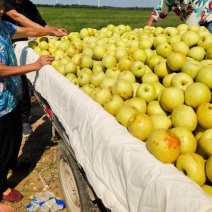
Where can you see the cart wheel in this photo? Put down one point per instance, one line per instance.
(74, 186)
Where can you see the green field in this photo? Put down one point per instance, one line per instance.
(74, 19)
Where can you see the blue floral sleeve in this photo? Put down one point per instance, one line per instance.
(193, 12)
(10, 87)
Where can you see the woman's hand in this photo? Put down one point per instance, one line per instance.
(60, 32)
(44, 60)
(63, 30)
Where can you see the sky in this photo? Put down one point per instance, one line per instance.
(112, 3)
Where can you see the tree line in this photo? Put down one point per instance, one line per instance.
(91, 6)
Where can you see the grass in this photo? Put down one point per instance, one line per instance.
(74, 19)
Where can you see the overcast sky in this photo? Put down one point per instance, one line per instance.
(113, 3)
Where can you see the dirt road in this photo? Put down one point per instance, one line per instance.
(40, 151)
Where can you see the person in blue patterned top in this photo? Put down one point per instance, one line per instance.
(11, 86)
(11, 95)
(193, 12)
(4, 93)
(25, 13)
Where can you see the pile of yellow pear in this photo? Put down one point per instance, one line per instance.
(155, 81)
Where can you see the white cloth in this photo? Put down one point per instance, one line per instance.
(118, 166)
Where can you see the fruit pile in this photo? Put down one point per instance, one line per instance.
(155, 81)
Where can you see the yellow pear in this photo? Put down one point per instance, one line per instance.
(124, 114)
(187, 140)
(184, 116)
(161, 121)
(140, 125)
(164, 145)
(193, 166)
(208, 168)
(205, 142)
(207, 189)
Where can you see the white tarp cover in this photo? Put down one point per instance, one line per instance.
(118, 166)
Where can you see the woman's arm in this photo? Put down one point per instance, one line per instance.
(160, 12)
(25, 32)
(26, 22)
(21, 19)
(19, 70)
(150, 21)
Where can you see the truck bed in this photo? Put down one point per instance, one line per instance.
(123, 174)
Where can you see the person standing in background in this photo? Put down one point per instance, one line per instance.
(10, 98)
(24, 13)
(193, 12)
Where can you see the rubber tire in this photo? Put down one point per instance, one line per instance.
(71, 177)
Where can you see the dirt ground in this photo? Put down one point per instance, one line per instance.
(40, 151)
